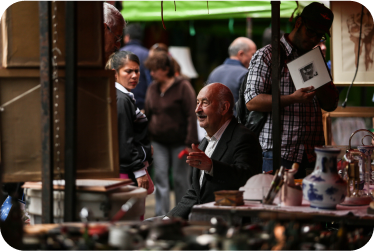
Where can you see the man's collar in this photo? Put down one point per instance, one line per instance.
(287, 37)
(219, 133)
(288, 44)
(134, 41)
(231, 61)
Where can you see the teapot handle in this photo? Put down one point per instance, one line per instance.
(359, 130)
(362, 140)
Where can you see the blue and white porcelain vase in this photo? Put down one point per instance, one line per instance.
(324, 188)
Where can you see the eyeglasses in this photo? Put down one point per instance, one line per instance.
(119, 39)
(312, 33)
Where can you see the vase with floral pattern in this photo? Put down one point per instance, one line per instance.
(324, 188)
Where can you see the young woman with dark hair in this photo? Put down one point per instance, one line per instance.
(135, 150)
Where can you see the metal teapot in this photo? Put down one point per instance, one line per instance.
(358, 170)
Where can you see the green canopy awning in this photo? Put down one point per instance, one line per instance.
(189, 10)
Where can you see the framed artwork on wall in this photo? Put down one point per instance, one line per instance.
(345, 42)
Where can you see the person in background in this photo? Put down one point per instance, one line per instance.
(234, 69)
(169, 106)
(158, 47)
(301, 117)
(113, 29)
(266, 36)
(132, 38)
(135, 150)
(226, 158)
(322, 45)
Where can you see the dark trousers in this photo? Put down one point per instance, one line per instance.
(305, 167)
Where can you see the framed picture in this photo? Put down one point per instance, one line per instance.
(345, 42)
(309, 70)
(339, 125)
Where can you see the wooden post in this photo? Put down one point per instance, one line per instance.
(275, 79)
(46, 116)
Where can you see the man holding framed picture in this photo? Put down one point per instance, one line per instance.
(301, 117)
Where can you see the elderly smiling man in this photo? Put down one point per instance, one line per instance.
(226, 158)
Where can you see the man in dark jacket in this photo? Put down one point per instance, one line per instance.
(226, 158)
(132, 38)
(232, 72)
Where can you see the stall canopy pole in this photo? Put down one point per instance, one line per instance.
(70, 113)
(275, 80)
(46, 117)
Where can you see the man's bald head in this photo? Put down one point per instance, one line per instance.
(242, 49)
(223, 94)
(113, 29)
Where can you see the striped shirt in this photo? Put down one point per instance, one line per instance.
(301, 123)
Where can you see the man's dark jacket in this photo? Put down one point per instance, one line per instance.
(236, 158)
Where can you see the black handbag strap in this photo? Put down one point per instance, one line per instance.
(241, 109)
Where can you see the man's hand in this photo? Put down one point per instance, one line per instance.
(198, 159)
(304, 95)
(189, 149)
(143, 182)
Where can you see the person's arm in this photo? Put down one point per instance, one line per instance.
(258, 90)
(131, 155)
(184, 207)
(328, 97)
(147, 105)
(263, 102)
